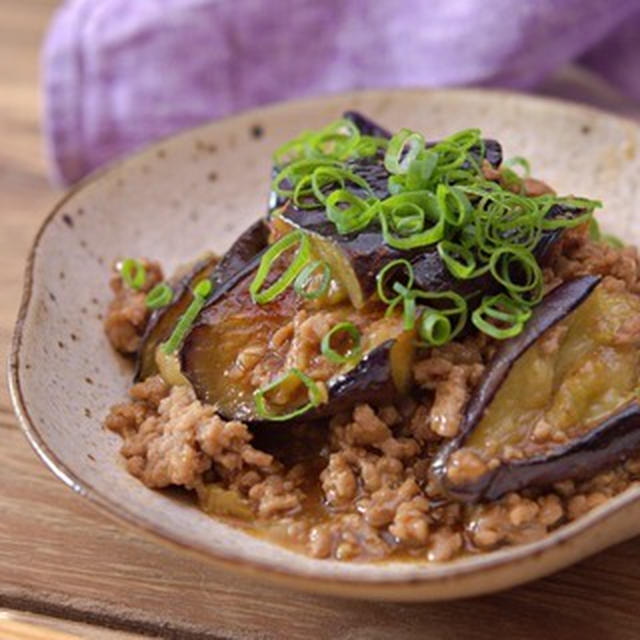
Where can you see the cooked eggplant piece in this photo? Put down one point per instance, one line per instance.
(162, 321)
(372, 168)
(238, 347)
(359, 257)
(558, 401)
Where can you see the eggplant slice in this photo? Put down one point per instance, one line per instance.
(162, 321)
(558, 401)
(358, 257)
(237, 347)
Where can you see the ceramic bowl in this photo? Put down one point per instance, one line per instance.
(196, 191)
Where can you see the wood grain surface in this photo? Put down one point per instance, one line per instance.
(60, 558)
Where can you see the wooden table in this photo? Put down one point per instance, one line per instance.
(62, 559)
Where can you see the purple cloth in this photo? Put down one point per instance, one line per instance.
(119, 73)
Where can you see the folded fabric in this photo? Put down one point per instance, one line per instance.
(118, 73)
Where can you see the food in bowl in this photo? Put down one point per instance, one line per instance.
(420, 352)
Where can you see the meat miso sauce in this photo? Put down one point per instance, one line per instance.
(420, 352)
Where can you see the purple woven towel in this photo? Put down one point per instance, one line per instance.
(119, 73)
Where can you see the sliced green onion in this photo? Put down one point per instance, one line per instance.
(200, 294)
(292, 150)
(458, 259)
(160, 296)
(269, 258)
(316, 397)
(519, 161)
(369, 146)
(354, 351)
(505, 260)
(338, 140)
(454, 204)
(305, 278)
(465, 139)
(389, 269)
(427, 202)
(509, 313)
(348, 212)
(396, 184)
(133, 273)
(407, 218)
(296, 171)
(421, 170)
(403, 149)
(408, 312)
(448, 303)
(324, 176)
(434, 328)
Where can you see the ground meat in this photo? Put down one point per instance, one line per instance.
(127, 313)
(363, 489)
(170, 438)
(450, 400)
(577, 255)
(338, 481)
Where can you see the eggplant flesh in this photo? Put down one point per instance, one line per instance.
(162, 321)
(237, 347)
(559, 401)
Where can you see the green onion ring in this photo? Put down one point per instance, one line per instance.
(427, 202)
(316, 397)
(304, 278)
(490, 307)
(332, 175)
(295, 171)
(396, 184)
(454, 204)
(421, 170)
(434, 328)
(407, 218)
(403, 149)
(160, 296)
(380, 278)
(458, 306)
(519, 161)
(337, 140)
(408, 312)
(356, 216)
(500, 264)
(133, 273)
(270, 256)
(331, 354)
(458, 259)
(200, 294)
(369, 145)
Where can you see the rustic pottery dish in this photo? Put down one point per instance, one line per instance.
(202, 188)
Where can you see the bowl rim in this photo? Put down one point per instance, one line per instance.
(404, 588)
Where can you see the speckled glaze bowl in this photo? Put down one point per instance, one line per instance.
(196, 191)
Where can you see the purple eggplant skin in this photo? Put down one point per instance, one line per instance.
(249, 244)
(366, 126)
(584, 455)
(611, 442)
